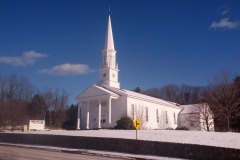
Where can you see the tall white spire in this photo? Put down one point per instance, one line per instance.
(109, 72)
(109, 43)
(109, 53)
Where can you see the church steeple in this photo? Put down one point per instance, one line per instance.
(109, 72)
(109, 53)
(109, 43)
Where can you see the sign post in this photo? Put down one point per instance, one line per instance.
(137, 125)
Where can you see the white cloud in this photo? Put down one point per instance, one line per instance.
(225, 23)
(67, 69)
(225, 10)
(27, 58)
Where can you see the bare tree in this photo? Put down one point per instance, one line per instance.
(162, 124)
(153, 92)
(41, 104)
(235, 122)
(60, 103)
(2, 103)
(223, 98)
(36, 109)
(184, 94)
(189, 94)
(170, 93)
(48, 96)
(16, 93)
(201, 117)
(138, 112)
(17, 103)
(137, 90)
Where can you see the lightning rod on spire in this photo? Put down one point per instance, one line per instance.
(109, 10)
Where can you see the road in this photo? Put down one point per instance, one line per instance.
(17, 153)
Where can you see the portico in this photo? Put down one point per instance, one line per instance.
(94, 111)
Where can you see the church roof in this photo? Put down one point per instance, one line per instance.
(96, 91)
(105, 90)
(191, 108)
(122, 92)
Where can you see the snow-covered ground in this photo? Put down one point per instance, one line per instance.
(222, 139)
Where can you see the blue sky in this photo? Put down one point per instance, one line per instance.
(58, 43)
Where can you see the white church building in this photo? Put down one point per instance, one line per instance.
(104, 103)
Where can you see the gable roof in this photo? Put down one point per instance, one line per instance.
(96, 91)
(104, 90)
(191, 108)
(124, 92)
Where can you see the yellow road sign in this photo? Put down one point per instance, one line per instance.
(137, 123)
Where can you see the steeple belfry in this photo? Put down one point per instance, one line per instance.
(109, 72)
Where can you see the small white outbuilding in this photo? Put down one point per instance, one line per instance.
(197, 117)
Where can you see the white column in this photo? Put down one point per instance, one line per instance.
(109, 111)
(99, 113)
(87, 122)
(78, 117)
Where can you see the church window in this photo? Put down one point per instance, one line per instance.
(157, 115)
(174, 116)
(146, 109)
(132, 111)
(166, 117)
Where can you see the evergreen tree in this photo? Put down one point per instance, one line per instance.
(125, 123)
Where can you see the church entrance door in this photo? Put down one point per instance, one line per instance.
(104, 115)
